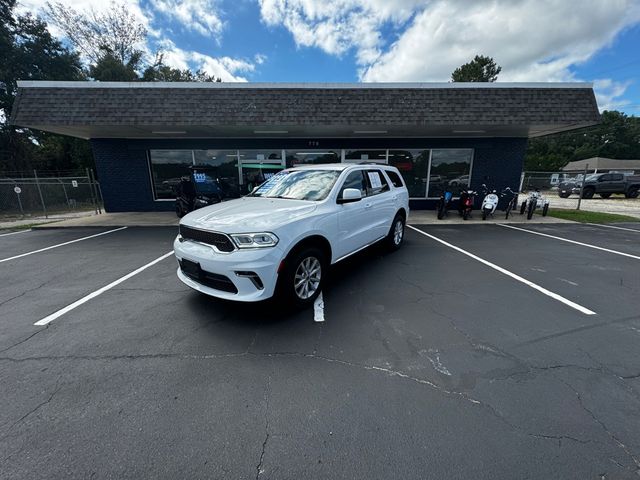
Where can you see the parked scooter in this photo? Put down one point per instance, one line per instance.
(489, 203)
(535, 200)
(444, 202)
(465, 205)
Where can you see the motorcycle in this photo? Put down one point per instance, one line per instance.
(489, 203)
(444, 202)
(465, 204)
(535, 200)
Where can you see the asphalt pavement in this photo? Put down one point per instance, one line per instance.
(431, 362)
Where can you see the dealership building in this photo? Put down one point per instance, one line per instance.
(146, 136)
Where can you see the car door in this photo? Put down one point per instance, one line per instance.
(617, 183)
(604, 183)
(380, 203)
(354, 224)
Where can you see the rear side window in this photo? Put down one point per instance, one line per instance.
(376, 182)
(616, 177)
(396, 181)
(355, 180)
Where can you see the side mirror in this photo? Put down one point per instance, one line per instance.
(350, 195)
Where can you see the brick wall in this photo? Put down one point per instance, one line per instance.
(123, 170)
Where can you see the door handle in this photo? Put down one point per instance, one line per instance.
(367, 205)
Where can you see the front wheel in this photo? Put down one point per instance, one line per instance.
(396, 233)
(588, 193)
(532, 207)
(484, 214)
(564, 194)
(303, 276)
(523, 207)
(465, 214)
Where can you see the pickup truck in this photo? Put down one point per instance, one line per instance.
(604, 184)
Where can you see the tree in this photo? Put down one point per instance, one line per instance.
(116, 31)
(28, 52)
(480, 69)
(159, 72)
(109, 68)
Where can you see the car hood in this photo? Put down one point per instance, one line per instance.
(248, 214)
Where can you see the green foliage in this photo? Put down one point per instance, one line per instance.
(618, 136)
(585, 216)
(109, 68)
(29, 52)
(164, 73)
(480, 69)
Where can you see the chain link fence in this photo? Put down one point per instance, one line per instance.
(37, 193)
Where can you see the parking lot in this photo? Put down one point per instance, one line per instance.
(475, 351)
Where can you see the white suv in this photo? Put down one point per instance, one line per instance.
(282, 237)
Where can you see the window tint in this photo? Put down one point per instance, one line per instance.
(605, 178)
(376, 183)
(395, 178)
(355, 180)
(616, 177)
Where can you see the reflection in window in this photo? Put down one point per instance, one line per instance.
(167, 167)
(450, 168)
(413, 165)
(357, 156)
(258, 166)
(304, 157)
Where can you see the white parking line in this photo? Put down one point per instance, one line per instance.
(611, 226)
(318, 309)
(100, 291)
(535, 286)
(60, 245)
(14, 233)
(588, 245)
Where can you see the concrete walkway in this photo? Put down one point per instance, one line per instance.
(162, 219)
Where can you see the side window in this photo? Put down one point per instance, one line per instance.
(617, 177)
(396, 181)
(355, 180)
(605, 178)
(376, 183)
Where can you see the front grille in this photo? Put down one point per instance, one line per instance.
(211, 280)
(218, 240)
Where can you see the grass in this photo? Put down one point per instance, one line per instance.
(590, 217)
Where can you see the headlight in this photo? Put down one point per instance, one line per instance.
(254, 240)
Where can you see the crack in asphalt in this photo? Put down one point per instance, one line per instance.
(25, 339)
(259, 470)
(606, 429)
(24, 293)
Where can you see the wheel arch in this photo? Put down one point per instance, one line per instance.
(314, 240)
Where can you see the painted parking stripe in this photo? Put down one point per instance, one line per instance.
(506, 272)
(100, 291)
(318, 309)
(612, 226)
(14, 233)
(588, 245)
(61, 244)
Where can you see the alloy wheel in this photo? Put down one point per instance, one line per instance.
(307, 277)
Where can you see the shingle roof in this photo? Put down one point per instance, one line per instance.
(53, 104)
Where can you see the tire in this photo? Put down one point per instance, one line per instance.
(523, 207)
(179, 212)
(632, 192)
(508, 211)
(545, 210)
(465, 214)
(395, 237)
(532, 207)
(605, 195)
(296, 266)
(440, 212)
(588, 193)
(564, 195)
(484, 214)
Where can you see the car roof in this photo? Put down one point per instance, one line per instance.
(338, 166)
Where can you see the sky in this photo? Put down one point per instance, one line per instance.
(396, 40)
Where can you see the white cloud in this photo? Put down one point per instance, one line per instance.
(226, 68)
(259, 58)
(202, 16)
(609, 93)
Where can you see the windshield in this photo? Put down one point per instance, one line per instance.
(311, 185)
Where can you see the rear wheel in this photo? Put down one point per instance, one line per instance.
(545, 210)
(508, 211)
(532, 207)
(441, 211)
(179, 211)
(632, 192)
(605, 195)
(523, 207)
(396, 233)
(303, 276)
(465, 214)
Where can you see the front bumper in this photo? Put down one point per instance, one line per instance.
(264, 262)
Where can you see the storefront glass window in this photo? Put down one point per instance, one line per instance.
(167, 166)
(358, 156)
(306, 157)
(413, 165)
(258, 166)
(449, 168)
